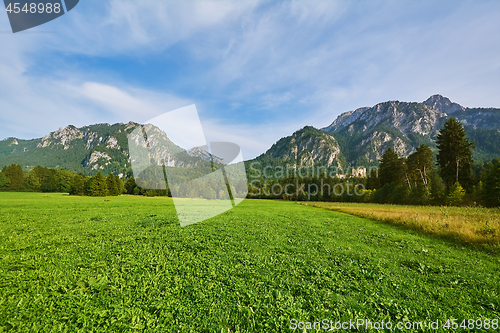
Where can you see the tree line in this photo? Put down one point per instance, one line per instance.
(41, 179)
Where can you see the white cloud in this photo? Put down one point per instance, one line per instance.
(132, 103)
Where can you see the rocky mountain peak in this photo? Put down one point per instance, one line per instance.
(63, 136)
(443, 104)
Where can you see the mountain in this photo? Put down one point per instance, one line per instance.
(96, 147)
(360, 137)
(205, 155)
(366, 133)
(443, 104)
(304, 148)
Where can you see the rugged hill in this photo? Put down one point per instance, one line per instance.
(96, 147)
(306, 148)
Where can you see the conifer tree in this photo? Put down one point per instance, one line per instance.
(119, 184)
(491, 188)
(130, 185)
(392, 169)
(373, 181)
(111, 184)
(455, 155)
(78, 185)
(98, 187)
(456, 195)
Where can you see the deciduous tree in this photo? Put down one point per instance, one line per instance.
(419, 165)
(15, 173)
(33, 181)
(78, 185)
(4, 181)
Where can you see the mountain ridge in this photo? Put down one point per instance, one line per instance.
(357, 138)
(98, 147)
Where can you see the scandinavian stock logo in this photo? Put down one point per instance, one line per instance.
(201, 188)
(28, 14)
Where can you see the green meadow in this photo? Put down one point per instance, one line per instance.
(123, 264)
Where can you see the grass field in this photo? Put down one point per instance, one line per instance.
(474, 225)
(123, 264)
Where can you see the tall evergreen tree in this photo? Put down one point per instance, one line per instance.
(50, 181)
(373, 181)
(130, 185)
(437, 188)
(455, 155)
(64, 178)
(119, 184)
(98, 187)
(491, 188)
(392, 169)
(111, 184)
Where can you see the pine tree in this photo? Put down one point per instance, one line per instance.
(64, 179)
(98, 187)
(130, 185)
(111, 184)
(49, 182)
(455, 155)
(437, 188)
(373, 181)
(491, 187)
(392, 169)
(119, 184)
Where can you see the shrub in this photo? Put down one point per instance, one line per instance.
(456, 195)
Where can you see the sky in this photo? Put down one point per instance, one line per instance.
(256, 70)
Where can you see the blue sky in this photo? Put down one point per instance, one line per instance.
(256, 70)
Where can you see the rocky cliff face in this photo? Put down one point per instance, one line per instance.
(305, 148)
